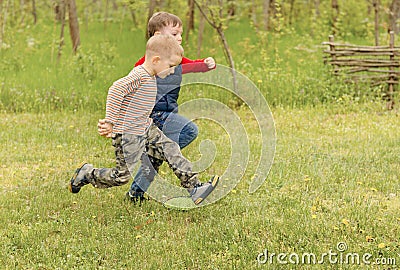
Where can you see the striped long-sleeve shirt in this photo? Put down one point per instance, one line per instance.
(130, 101)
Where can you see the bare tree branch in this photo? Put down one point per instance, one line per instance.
(204, 14)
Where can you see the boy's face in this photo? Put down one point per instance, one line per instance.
(166, 65)
(175, 31)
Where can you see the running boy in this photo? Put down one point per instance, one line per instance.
(130, 101)
(165, 113)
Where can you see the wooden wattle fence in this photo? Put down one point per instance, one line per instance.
(376, 65)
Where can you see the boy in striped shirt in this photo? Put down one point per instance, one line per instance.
(130, 101)
(165, 113)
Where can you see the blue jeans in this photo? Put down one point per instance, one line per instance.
(176, 127)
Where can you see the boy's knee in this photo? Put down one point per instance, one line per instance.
(192, 130)
(188, 134)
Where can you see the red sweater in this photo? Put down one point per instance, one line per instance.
(188, 65)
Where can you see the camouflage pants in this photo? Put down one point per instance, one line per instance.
(129, 149)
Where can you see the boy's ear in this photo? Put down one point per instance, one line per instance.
(157, 33)
(155, 59)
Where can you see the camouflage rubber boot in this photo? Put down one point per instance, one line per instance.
(199, 192)
(79, 179)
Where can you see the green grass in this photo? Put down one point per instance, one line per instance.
(334, 178)
(287, 68)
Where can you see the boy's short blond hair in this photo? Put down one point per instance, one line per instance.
(161, 19)
(164, 46)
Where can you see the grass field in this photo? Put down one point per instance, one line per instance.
(333, 189)
(335, 179)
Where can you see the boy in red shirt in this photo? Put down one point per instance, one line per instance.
(130, 101)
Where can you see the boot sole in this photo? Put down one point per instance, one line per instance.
(214, 183)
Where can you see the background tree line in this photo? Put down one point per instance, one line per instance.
(277, 43)
(315, 17)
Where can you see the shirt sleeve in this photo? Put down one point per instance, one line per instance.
(140, 61)
(117, 93)
(192, 66)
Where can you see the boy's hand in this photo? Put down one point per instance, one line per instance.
(104, 129)
(210, 62)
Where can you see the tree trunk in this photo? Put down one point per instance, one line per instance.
(133, 16)
(291, 11)
(3, 17)
(390, 102)
(317, 12)
(253, 13)
(226, 47)
(335, 15)
(231, 8)
(394, 16)
(73, 25)
(34, 11)
(200, 35)
(190, 19)
(60, 16)
(58, 12)
(152, 7)
(266, 6)
(215, 21)
(106, 14)
(115, 5)
(22, 10)
(376, 12)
